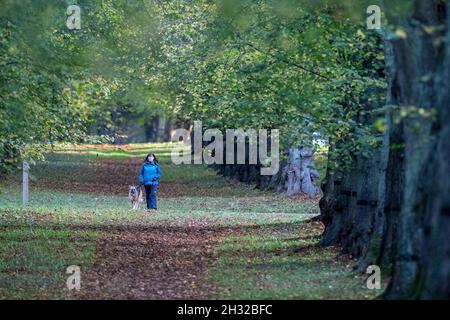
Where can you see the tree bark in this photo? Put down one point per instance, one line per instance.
(421, 77)
(299, 175)
(406, 230)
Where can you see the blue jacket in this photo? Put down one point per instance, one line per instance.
(149, 173)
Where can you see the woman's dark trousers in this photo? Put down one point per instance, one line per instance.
(150, 195)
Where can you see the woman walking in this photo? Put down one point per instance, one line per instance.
(148, 176)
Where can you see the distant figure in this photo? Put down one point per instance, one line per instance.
(148, 176)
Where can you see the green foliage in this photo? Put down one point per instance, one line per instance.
(57, 84)
(263, 64)
(304, 68)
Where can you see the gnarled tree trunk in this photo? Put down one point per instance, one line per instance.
(299, 175)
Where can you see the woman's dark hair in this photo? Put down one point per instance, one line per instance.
(154, 158)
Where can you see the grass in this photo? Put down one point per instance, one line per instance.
(269, 266)
(59, 208)
(33, 260)
(268, 250)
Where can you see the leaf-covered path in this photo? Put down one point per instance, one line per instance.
(210, 237)
(156, 263)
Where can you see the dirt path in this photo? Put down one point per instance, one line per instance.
(159, 263)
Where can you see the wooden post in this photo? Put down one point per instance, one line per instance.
(25, 183)
(25, 168)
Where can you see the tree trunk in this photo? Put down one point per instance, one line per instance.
(408, 223)
(299, 174)
(421, 267)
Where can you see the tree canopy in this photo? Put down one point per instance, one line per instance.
(231, 64)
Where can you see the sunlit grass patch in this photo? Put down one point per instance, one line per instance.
(83, 209)
(162, 150)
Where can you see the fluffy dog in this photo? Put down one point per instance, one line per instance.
(136, 196)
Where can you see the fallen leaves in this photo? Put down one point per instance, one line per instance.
(106, 176)
(159, 263)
